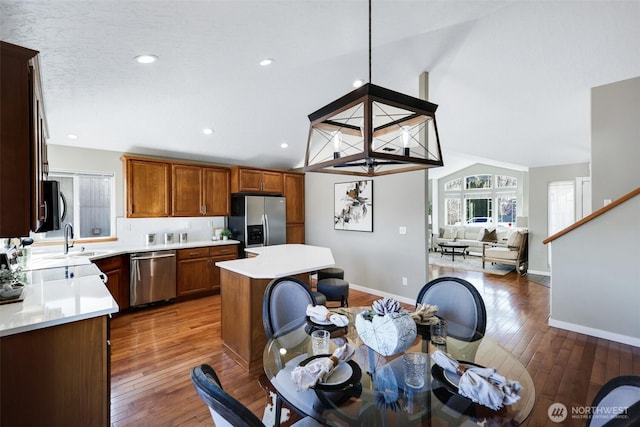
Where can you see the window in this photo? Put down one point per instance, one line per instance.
(506, 209)
(478, 210)
(503, 181)
(87, 202)
(453, 185)
(453, 211)
(478, 181)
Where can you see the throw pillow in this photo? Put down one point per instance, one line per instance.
(489, 236)
(514, 239)
(449, 233)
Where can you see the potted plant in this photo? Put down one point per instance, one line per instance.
(10, 286)
(225, 234)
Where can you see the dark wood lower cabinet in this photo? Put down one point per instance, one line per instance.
(117, 271)
(197, 272)
(56, 376)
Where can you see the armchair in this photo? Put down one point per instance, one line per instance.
(514, 252)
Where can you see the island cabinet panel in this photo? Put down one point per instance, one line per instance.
(294, 193)
(23, 134)
(148, 187)
(200, 191)
(116, 269)
(56, 376)
(242, 326)
(256, 181)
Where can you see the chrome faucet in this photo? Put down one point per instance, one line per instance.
(68, 233)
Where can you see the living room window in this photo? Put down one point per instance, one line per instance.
(474, 182)
(87, 202)
(453, 211)
(506, 209)
(478, 209)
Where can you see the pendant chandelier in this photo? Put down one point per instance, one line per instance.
(373, 131)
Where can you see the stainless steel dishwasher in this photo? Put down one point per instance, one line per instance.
(153, 277)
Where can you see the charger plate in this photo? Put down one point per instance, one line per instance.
(345, 375)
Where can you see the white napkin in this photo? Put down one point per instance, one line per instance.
(320, 313)
(482, 385)
(320, 369)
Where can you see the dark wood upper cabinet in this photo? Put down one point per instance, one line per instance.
(148, 187)
(256, 181)
(23, 135)
(199, 191)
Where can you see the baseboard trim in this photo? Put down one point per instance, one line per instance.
(539, 272)
(383, 294)
(598, 333)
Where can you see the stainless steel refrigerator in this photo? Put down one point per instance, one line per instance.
(258, 220)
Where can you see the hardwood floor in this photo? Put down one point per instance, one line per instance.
(153, 351)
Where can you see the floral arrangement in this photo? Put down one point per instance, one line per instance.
(387, 328)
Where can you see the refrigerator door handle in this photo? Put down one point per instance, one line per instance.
(266, 230)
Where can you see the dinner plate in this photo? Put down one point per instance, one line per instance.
(345, 375)
(450, 380)
(319, 321)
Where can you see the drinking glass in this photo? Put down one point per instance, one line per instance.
(414, 367)
(320, 341)
(439, 332)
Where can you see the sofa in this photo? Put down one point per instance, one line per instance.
(472, 235)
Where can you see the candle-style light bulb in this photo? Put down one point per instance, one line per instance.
(337, 142)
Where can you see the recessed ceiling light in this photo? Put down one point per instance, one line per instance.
(358, 83)
(265, 62)
(284, 145)
(72, 136)
(207, 131)
(146, 59)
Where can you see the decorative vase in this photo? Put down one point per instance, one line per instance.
(389, 334)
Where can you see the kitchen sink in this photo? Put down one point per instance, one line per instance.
(56, 259)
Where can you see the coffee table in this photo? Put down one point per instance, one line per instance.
(453, 249)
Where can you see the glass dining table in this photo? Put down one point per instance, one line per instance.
(370, 390)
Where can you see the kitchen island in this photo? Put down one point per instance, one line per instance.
(54, 350)
(243, 282)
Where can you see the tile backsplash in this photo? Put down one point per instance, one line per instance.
(132, 230)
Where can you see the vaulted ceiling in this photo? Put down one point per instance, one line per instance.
(512, 78)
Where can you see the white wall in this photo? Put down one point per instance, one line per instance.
(377, 260)
(615, 140)
(595, 285)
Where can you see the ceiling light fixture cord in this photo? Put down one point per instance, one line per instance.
(369, 41)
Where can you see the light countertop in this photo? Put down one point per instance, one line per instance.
(56, 296)
(276, 261)
(66, 288)
(92, 252)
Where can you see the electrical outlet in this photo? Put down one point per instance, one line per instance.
(404, 281)
(403, 230)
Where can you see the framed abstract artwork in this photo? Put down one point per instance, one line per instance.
(353, 206)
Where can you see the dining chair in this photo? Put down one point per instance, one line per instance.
(285, 300)
(225, 409)
(460, 303)
(618, 393)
